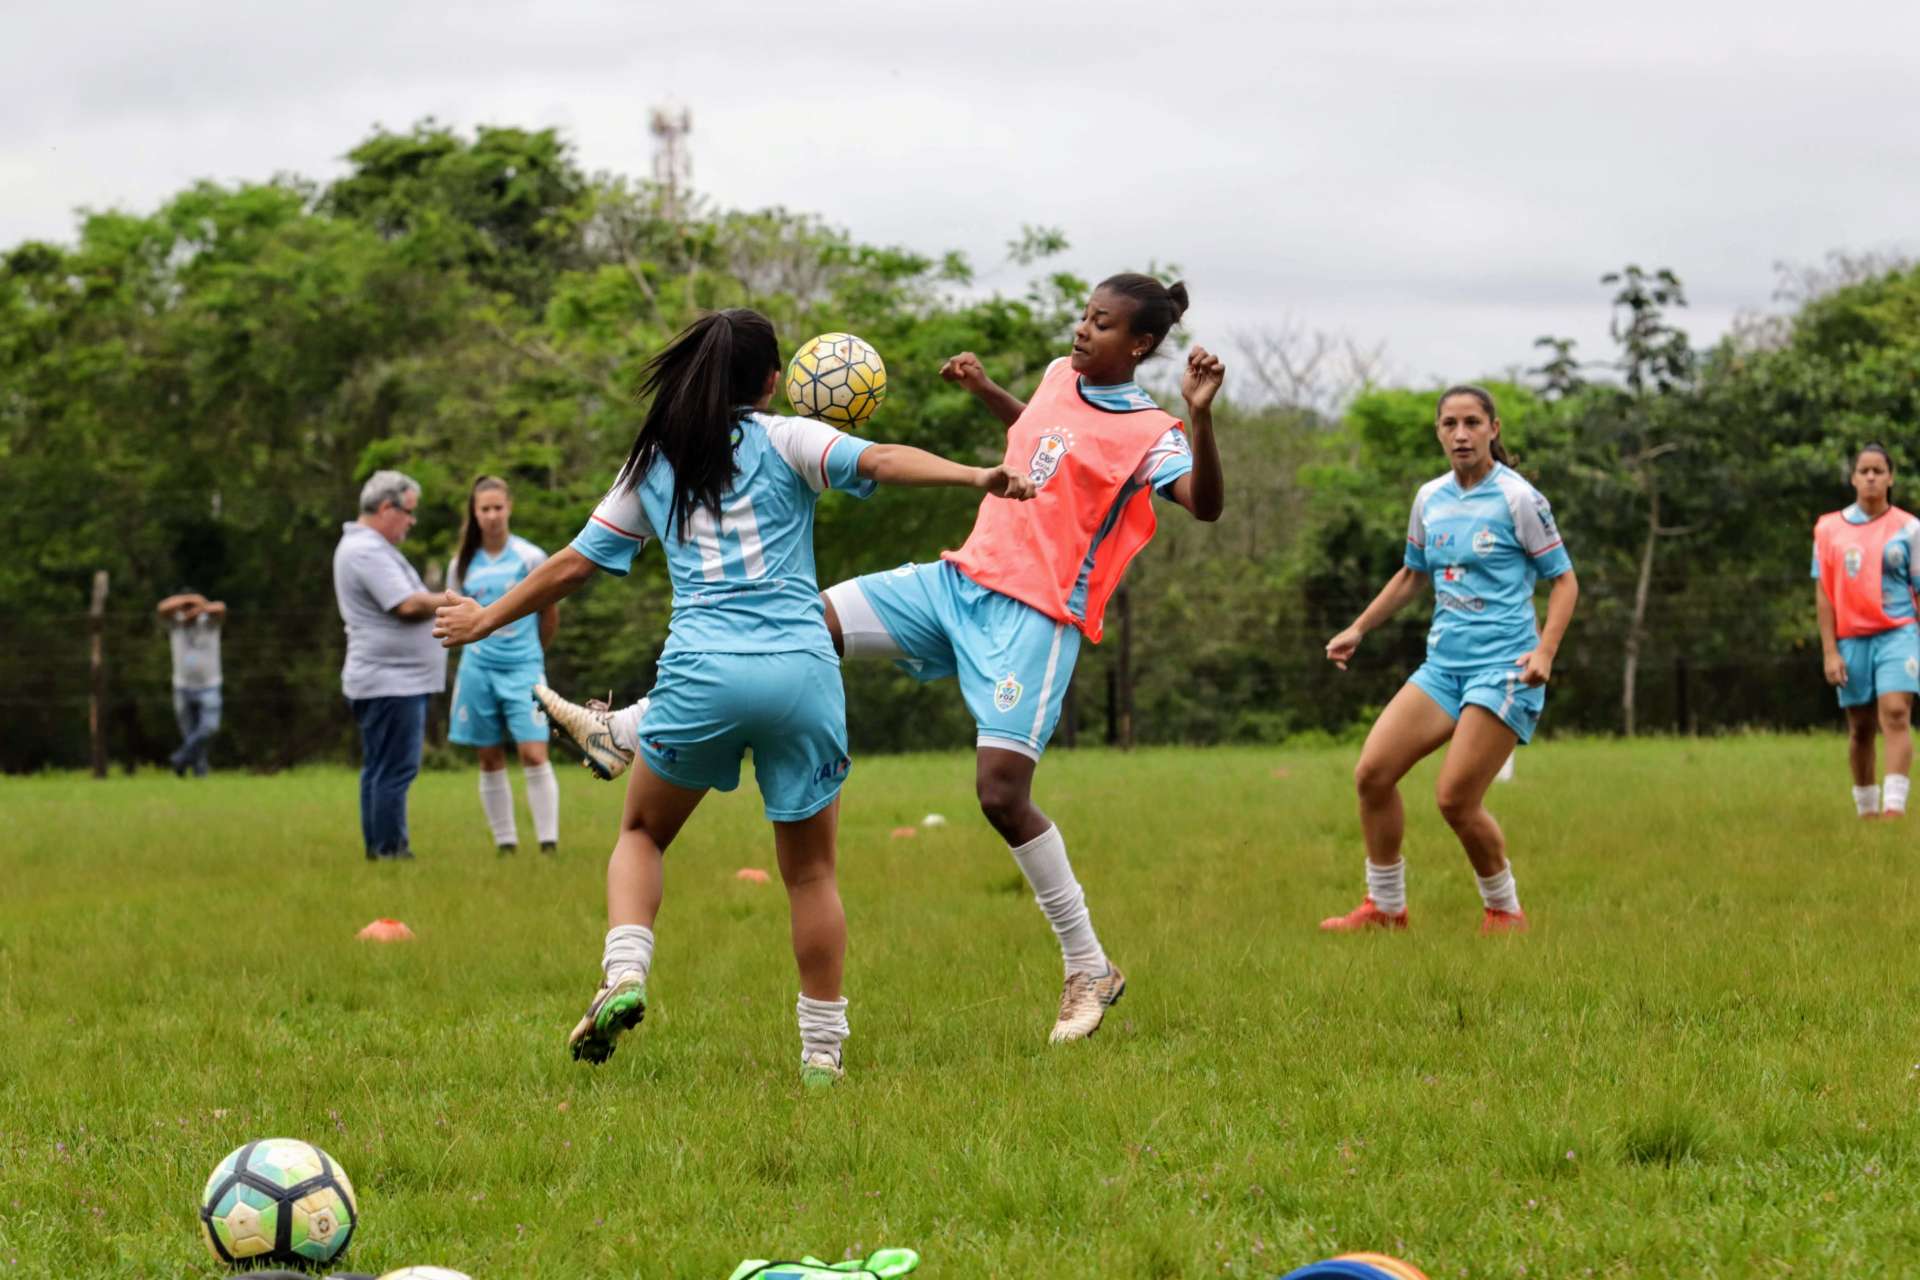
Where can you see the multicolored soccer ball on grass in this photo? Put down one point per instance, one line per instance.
(838, 379)
(1358, 1266)
(279, 1200)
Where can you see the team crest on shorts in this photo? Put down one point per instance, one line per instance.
(1913, 668)
(1047, 453)
(1006, 694)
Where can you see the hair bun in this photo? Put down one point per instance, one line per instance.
(1177, 293)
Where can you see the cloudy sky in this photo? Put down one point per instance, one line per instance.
(1446, 177)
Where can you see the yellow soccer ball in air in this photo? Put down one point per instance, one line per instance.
(836, 378)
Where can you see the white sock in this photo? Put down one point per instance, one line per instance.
(1387, 886)
(1894, 793)
(823, 1026)
(1043, 860)
(623, 726)
(629, 946)
(1497, 890)
(496, 799)
(1866, 800)
(543, 798)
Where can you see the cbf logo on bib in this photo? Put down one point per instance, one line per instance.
(1853, 560)
(1047, 453)
(1006, 694)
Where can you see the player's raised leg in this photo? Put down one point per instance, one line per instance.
(1411, 728)
(655, 811)
(1480, 744)
(806, 852)
(607, 739)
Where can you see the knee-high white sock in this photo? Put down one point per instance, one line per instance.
(1387, 886)
(1893, 793)
(1497, 890)
(496, 800)
(623, 726)
(1866, 800)
(543, 798)
(1043, 860)
(629, 946)
(823, 1026)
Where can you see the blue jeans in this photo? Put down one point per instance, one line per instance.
(391, 733)
(198, 711)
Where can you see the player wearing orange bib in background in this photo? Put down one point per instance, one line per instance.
(1005, 613)
(1870, 646)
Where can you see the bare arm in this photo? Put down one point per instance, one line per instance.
(902, 464)
(1399, 592)
(191, 602)
(1537, 667)
(419, 606)
(1832, 665)
(549, 623)
(1202, 491)
(967, 370)
(462, 619)
(215, 609)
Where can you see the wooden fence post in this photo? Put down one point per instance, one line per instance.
(96, 704)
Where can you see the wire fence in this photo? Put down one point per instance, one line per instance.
(1738, 655)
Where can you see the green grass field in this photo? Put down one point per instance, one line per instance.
(1702, 1062)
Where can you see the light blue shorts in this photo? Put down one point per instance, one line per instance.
(1498, 689)
(494, 705)
(1888, 662)
(1013, 662)
(789, 709)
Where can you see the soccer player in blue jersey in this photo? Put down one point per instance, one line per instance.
(493, 695)
(728, 491)
(1484, 536)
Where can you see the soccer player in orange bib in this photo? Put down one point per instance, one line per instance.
(1869, 643)
(1006, 612)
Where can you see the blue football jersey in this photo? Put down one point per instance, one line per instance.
(1484, 547)
(1896, 563)
(743, 582)
(487, 579)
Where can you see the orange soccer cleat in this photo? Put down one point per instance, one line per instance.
(1494, 920)
(1364, 916)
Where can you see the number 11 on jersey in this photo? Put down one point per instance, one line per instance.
(737, 523)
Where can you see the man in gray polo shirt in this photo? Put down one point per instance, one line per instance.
(393, 662)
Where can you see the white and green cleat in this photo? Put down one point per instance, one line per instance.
(821, 1070)
(1084, 1002)
(617, 1007)
(588, 727)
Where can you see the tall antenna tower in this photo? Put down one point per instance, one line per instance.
(672, 165)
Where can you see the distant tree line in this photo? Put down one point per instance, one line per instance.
(192, 397)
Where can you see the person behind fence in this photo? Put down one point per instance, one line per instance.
(193, 633)
(393, 663)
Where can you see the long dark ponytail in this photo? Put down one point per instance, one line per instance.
(698, 384)
(470, 538)
(1485, 397)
